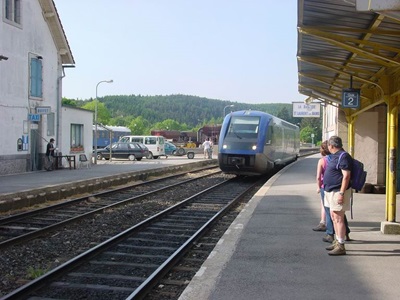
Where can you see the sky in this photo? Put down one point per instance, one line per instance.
(235, 50)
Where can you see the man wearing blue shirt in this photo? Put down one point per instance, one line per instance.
(337, 191)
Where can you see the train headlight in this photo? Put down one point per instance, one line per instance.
(254, 147)
(224, 146)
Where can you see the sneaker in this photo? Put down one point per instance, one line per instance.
(320, 227)
(332, 246)
(338, 250)
(328, 238)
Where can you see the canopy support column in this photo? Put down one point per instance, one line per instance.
(351, 120)
(389, 226)
(391, 185)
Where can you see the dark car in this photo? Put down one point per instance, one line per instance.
(131, 151)
(170, 148)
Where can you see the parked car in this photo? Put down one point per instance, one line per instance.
(170, 148)
(155, 144)
(131, 151)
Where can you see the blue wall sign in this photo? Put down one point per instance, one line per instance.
(34, 117)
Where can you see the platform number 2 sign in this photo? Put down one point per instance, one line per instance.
(351, 98)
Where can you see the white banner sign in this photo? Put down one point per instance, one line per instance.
(304, 110)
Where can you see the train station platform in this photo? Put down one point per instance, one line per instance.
(271, 252)
(21, 190)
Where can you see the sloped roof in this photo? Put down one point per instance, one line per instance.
(52, 18)
(339, 46)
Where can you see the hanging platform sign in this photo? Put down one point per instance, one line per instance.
(351, 98)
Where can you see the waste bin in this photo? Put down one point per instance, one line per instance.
(58, 160)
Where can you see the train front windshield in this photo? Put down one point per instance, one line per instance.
(244, 127)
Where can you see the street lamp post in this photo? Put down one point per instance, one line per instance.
(95, 121)
(226, 108)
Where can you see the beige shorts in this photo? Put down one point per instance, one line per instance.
(331, 201)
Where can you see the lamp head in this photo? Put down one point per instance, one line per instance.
(309, 100)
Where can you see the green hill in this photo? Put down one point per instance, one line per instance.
(184, 109)
(183, 112)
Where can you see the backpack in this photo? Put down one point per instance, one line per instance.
(358, 175)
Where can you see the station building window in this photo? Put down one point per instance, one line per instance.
(36, 77)
(50, 124)
(12, 11)
(76, 135)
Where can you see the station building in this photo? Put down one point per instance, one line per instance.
(34, 53)
(349, 61)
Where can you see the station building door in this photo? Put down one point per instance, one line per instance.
(34, 149)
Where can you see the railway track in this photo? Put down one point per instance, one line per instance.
(24, 262)
(178, 278)
(129, 265)
(29, 225)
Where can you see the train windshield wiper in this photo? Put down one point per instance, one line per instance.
(232, 130)
(238, 136)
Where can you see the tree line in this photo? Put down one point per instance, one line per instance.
(141, 114)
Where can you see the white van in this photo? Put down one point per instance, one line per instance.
(155, 143)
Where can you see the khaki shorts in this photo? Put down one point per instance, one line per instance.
(331, 199)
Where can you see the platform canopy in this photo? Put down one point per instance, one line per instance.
(346, 44)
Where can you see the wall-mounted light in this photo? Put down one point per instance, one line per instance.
(2, 57)
(309, 100)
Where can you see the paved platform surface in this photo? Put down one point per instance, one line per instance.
(271, 252)
(32, 180)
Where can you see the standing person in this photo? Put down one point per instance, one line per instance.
(322, 162)
(326, 220)
(206, 146)
(50, 155)
(210, 151)
(337, 191)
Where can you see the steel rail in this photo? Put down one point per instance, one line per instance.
(161, 271)
(47, 229)
(153, 278)
(29, 213)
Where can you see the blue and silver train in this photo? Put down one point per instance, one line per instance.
(254, 142)
(103, 134)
